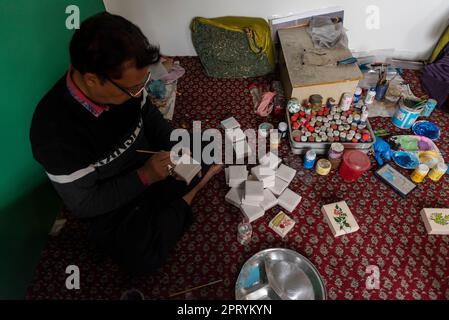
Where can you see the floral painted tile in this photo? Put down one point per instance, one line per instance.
(339, 218)
(436, 220)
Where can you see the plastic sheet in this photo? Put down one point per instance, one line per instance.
(327, 34)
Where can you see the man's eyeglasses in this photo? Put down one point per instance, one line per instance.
(135, 91)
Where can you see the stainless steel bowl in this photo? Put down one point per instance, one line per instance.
(279, 274)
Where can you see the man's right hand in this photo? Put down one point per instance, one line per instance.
(157, 167)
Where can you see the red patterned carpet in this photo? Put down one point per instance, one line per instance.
(412, 264)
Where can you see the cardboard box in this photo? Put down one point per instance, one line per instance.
(302, 80)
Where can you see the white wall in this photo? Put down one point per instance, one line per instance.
(410, 27)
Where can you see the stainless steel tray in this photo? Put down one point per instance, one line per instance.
(323, 147)
(255, 282)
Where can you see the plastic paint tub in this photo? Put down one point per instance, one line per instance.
(354, 164)
(429, 107)
(405, 117)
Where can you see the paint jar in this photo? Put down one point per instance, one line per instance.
(370, 95)
(438, 171)
(244, 232)
(309, 159)
(357, 95)
(420, 173)
(323, 167)
(354, 164)
(282, 128)
(345, 103)
(406, 114)
(429, 107)
(264, 129)
(316, 101)
(330, 104)
(336, 154)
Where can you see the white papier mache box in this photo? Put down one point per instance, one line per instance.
(270, 160)
(269, 200)
(436, 220)
(264, 174)
(289, 200)
(285, 173)
(252, 213)
(234, 135)
(230, 123)
(279, 186)
(187, 168)
(253, 191)
(237, 175)
(234, 196)
(339, 218)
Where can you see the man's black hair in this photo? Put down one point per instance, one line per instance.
(105, 42)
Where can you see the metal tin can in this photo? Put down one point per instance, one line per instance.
(420, 173)
(346, 100)
(438, 171)
(323, 167)
(309, 159)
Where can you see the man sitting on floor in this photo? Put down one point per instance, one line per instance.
(85, 133)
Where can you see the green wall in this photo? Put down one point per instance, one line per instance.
(33, 55)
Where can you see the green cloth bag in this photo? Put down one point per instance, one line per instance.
(233, 47)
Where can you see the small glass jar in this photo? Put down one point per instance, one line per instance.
(336, 154)
(244, 232)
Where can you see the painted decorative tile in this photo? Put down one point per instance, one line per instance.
(436, 220)
(339, 218)
(282, 224)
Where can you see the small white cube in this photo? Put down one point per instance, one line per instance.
(265, 175)
(285, 173)
(187, 168)
(237, 175)
(251, 202)
(253, 191)
(289, 200)
(252, 213)
(269, 200)
(235, 135)
(339, 218)
(270, 160)
(230, 123)
(279, 186)
(234, 196)
(242, 149)
(436, 220)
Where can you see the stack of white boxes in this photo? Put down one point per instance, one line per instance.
(235, 135)
(256, 193)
